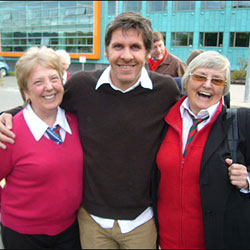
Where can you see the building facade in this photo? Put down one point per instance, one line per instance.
(79, 27)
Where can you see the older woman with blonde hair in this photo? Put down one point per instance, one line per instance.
(44, 168)
(204, 195)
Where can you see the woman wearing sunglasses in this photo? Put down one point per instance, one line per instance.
(203, 196)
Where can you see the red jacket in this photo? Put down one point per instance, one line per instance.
(179, 204)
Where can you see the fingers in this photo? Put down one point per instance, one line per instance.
(6, 135)
(229, 161)
(6, 119)
(238, 175)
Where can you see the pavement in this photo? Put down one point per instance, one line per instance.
(10, 96)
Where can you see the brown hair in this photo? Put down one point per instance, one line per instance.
(157, 36)
(193, 54)
(131, 20)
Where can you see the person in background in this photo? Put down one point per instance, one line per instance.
(65, 59)
(204, 195)
(120, 111)
(193, 54)
(162, 61)
(44, 168)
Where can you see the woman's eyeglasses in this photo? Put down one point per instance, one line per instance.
(202, 79)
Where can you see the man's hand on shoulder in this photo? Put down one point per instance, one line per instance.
(6, 135)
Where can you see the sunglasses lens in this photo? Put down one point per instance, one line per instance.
(218, 82)
(199, 78)
(215, 81)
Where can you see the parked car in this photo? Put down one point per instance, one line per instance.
(4, 68)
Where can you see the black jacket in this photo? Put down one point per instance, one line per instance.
(226, 211)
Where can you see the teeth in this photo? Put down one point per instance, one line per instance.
(126, 66)
(48, 97)
(204, 93)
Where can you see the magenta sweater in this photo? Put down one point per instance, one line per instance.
(43, 181)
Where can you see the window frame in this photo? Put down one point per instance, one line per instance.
(236, 5)
(190, 37)
(232, 44)
(164, 7)
(218, 38)
(222, 5)
(138, 6)
(191, 5)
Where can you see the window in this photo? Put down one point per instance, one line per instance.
(241, 4)
(213, 5)
(239, 39)
(183, 5)
(132, 6)
(111, 7)
(66, 25)
(157, 6)
(211, 39)
(182, 39)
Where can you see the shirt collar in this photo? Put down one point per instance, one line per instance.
(202, 114)
(144, 80)
(38, 127)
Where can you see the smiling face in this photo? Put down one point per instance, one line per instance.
(44, 90)
(127, 55)
(203, 95)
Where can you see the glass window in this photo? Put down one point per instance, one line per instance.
(133, 6)
(182, 38)
(239, 39)
(241, 4)
(213, 5)
(34, 23)
(183, 5)
(157, 6)
(211, 39)
(49, 5)
(67, 3)
(111, 7)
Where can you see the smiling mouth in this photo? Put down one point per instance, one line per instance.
(204, 94)
(48, 97)
(126, 66)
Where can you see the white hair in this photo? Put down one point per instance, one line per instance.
(211, 60)
(64, 54)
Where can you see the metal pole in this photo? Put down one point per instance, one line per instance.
(247, 88)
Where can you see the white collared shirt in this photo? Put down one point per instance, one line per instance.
(144, 80)
(187, 121)
(125, 225)
(38, 127)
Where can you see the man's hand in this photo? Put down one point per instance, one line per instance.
(6, 135)
(237, 174)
